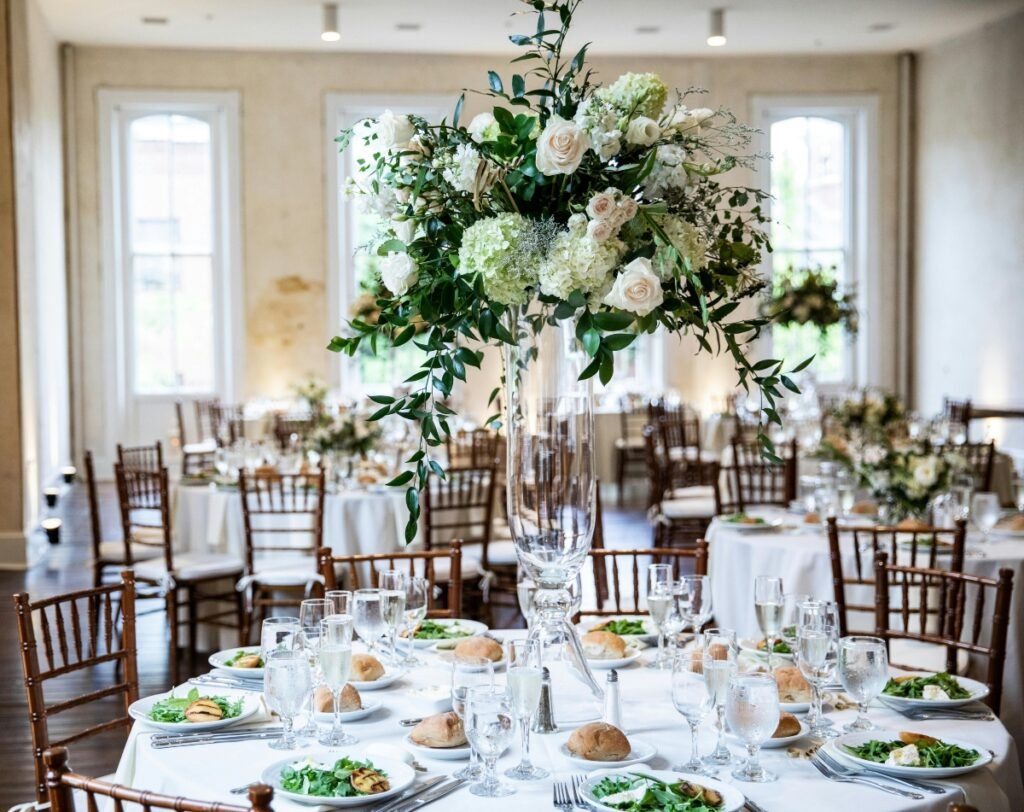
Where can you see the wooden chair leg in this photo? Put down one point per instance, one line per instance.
(620, 473)
(244, 613)
(193, 627)
(171, 604)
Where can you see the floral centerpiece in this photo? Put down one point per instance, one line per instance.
(909, 477)
(606, 207)
(811, 296)
(862, 428)
(313, 394)
(343, 434)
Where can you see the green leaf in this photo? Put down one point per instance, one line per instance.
(412, 501)
(607, 369)
(518, 85)
(384, 399)
(403, 478)
(615, 320)
(591, 342)
(458, 110)
(410, 530)
(390, 247)
(495, 82)
(505, 119)
(802, 365)
(619, 341)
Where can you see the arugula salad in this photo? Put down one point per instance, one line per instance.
(641, 793)
(248, 657)
(927, 752)
(429, 630)
(347, 778)
(173, 708)
(743, 518)
(622, 627)
(914, 687)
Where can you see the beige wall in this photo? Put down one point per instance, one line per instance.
(969, 280)
(282, 131)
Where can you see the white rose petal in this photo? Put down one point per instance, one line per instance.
(394, 132)
(637, 289)
(601, 230)
(404, 229)
(561, 147)
(643, 131)
(628, 208)
(398, 272)
(577, 223)
(602, 205)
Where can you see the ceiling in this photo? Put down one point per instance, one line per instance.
(662, 27)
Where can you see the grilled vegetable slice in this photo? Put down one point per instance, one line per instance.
(369, 781)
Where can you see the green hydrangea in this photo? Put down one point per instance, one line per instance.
(687, 239)
(491, 248)
(640, 94)
(578, 262)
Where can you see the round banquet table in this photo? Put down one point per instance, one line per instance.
(209, 771)
(799, 555)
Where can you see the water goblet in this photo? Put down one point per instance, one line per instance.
(342, 600)
(392, 607)
(490, 729)
(864, 671)
(693, 702)
(367, 616)
(768, 607)
(698, 600)
(278, 634)
(473, 672)
(719, 665)
(417, 591)
(985, 512)
(287, 682)
(816, 650)
(659, 601)
(335, 664)
(524, 681)
(752, 711)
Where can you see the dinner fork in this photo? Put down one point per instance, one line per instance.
(832, 775)
(577, 782)
(922, 714)
(562, 798)
(844, 769)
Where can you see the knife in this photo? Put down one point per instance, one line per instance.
(197, 734)
(412, 792)
(433, 795)
(241, 737)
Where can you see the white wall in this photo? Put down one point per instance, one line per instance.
(969, 278)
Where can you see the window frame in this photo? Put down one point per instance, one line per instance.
(859, 115)
(117, 110)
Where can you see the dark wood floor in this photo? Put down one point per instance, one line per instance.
(67, 567)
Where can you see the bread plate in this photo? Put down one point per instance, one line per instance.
(471, 627)
(327, 717)
(650, 633)
(773, 743)
(448, 656)
(760, 524)
(400, 776)
(141, 708)
(795, 707)
(732, 798)
(749, 646)
(221, 658)
(442, 753)
(838, 746)
(618, 662)
(391, 674)
(978, 690)
(640, 753)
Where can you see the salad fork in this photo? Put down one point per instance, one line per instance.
(562, 796)
(844, 769)
(832, 775)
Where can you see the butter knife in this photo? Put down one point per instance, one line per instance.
(189, 742)
(412, 792)
(433, 795)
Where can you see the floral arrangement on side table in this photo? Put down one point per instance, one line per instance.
(811, 296)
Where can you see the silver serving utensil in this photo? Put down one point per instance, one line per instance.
(410, 722)
(921, 714)
(753, 807)
(216, 682)
(925, 786)
(431, 796)
(412, 792)
(243, 789)
(221, 733)
(832, 775)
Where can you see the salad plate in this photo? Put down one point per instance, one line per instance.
(316, 778)
(639, 753)
(327, 717)
(907, 691)
(749, 646)
(629, 627)
(430, 632)
(870, 748)
(391, 675)
(745, 523)
(441, 753)
(618, 790)
(167, 711)
(225, 661)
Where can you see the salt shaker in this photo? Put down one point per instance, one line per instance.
(612, 708)
(545, 721)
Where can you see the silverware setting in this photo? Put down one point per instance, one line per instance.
(428, 797)
(832, 775)
(412, 792)
(562, 796)
(923, 714)
(410, 722)
(160, 742)
(915, 784)
(227, 682)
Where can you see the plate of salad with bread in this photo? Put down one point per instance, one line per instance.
(932, 690)
(906, 753)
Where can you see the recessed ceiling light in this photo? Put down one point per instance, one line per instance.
(407, 26)
(648, 29)
(880, 27)
(716, 37)
(155, 21)
(329, 32)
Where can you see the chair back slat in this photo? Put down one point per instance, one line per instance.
(282, 505)
(228, 423)
(756, 481)
(459, 506)
(143, 497)
(614, 561)
(205, 424)
(980, 458)
(287, 426)
(141, 458)
(479, 448)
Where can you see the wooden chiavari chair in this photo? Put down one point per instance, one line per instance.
(755, 481)
(195, 457)
(141, 457)
(287, 426)
(145, 506)
(679, 427)
(61, 784)
(206, 426)
(228, 424)
(852, 551)
(957, 411)
(630, 456)
(981, 458)
(946, 609)
(283, 519)
(439, 567)
(75, 632)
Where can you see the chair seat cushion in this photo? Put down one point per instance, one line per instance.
(288, 570)
(205, 447)
(690, 453)
(923, 656)
(630, 442)
(694, 492)
(690, 507)
(502, 553)
(113, 550)
(191, 567)
(470, 566)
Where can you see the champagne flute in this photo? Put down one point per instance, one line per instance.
(752, 710)
(367, 618)
(342, 600)
(692, 700)
(335, 664)
(818, 614)
(311, 612)
(864, 671)
(526, 591)
(791, 603)
(417, 591)
(392, 607)
(278, 634)
(720, 653)
(287, 682)
(524, 680)
(659, 600)
(490, 729)
(473, 672)
(768, 608)
(817, 649)
(1018, 493)
(677, 616)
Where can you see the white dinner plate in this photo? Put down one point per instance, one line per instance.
(449, 657)
(743, 527)
(220, 659)
(460, 624)
(618, 662)
(640, 753)
(795, 707)
(749, 646)
(1006, 532)
(442, 753)
(399, 775)
(327, 717)
(732, 798)
(856, 739)
(979, 690)
(391, 674)
(773, 743)
(650, 634)
(140, 710)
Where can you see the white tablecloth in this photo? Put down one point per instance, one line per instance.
(209, 771)
(801, 558)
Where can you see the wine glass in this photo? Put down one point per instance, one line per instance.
(367, 615)
(277, 634)
(526, 590)
(752, 710)
(392, 607)
(659, 602)
(692, 700)
(490, 729)
(524, 679)
(342, 600)
(791, 602)
(335, 665)
(473, 672)
(719, 664)
(768, 607)
(816, 652)
(311, 612)
(1018, 493)
(417, 592)
(287, 682)
(864, 671)
(985, 511)
(846, 487)
(698, 600)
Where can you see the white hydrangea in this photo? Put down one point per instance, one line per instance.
(578, 262)
(669, 173)
(384, 204)
(484, 127)
(491, 248)
(638, 94)
(600, 121)
(460, 169)
(687, 239)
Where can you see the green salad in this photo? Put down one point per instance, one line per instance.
(780, 647)
(429, 630)
(641, 793)
(348, 778)
(743, 518)
(172, 709)
(913, 687)
(622, 626)
(931, 753)
(242, 654)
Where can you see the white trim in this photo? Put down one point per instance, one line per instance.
(222, 111)
(860, 112)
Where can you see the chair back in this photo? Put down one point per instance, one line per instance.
(611, 566)
(179, 416)
(287, 426)
(141, 457)
(61, 784)
(679, 427)
(479, 448)
(632, 421)
(422, 563)
(757, 481)
(145, 511)
(228, 423)
(205, 424)
(957, 610)
(980, 457)
(95, 526)
(957, 411)
(459, 506)
(77, 631)
(282, 513)
(852, 552)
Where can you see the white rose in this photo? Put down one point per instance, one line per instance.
(394, 132)
(404, 229)
(609, 147)
(637, 289)
(926, 472)
(398, 272)
(643, 131)
(561, 147)
(684, 120)
(628, 208)
(600, 230)
(602, 205)
(483, 127)
(874, 454)
(577, 223)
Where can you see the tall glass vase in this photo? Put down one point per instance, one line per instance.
(551, 478)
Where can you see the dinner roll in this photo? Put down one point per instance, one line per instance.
(603, 646)
(788, 726)
(440, 730)
(908, 737)
(792, 685)
(599, 741)
(1014, 523)
(366, 668)
(912, 524)
(719, 651)
(865, 507)
(812, 518)
(484, 648)
(350, 699)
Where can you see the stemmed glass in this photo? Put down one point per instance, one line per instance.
(417, 591)
(816, 653)
(691, 699)
(367, 616)
(698, 600)
(818, 614)
(392, 607)
(335, 664)
(473, 672)
(341, 599)
(768, 606)
(526, 591)
(791, 603)
(311, 612)
(490, 729)
(864, 671)
(278, 634)
(720, 653)
(752, 710)
(659, 603)
(287, 682)
(524, 679)
(985, 512)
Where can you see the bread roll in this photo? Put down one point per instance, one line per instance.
(442, 730)
(599, 741)
(788, 726)
(865, 507)
(350, 699)
(792, 685)
(366, 668)
(603, 646)
(484, 648)
(907, 737)
(912, 524)
(1013, 523)
(719, 651)
(812, 518)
